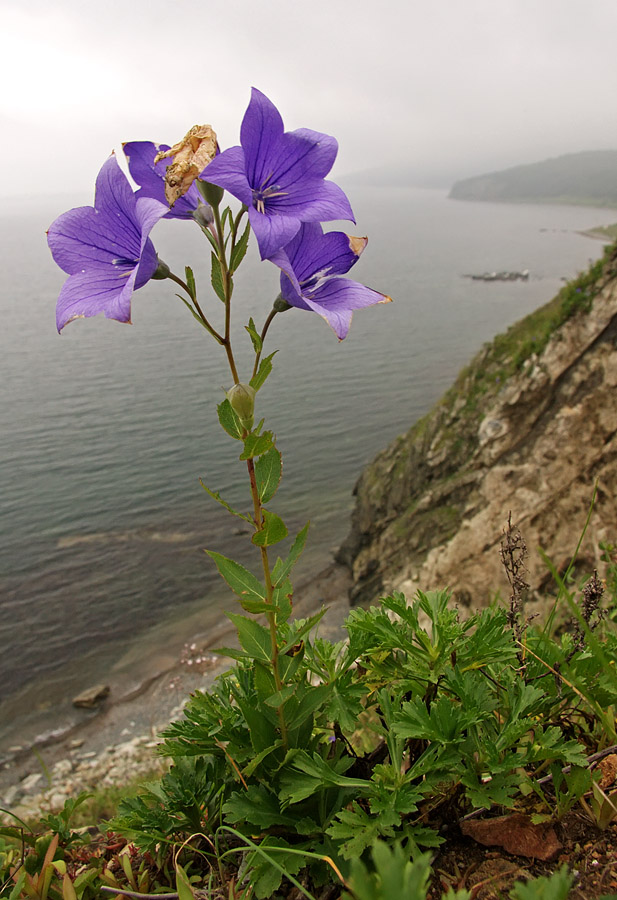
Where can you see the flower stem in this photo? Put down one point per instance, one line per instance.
(271, 614)
(193, 299)
(264, 332)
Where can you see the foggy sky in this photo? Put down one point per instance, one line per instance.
(449, 88)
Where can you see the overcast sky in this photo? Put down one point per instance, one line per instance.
(448, 88)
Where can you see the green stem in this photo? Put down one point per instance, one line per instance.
(271, 614)
(264, 332)
(226, 342)
(193, 300)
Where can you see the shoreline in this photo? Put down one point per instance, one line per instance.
(118, 739)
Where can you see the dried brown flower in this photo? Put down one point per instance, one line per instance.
(190, 157)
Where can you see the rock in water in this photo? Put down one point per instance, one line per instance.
(92, 696)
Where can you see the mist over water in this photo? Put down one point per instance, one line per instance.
(107, 428)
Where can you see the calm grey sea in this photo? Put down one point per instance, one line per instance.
(107, 428)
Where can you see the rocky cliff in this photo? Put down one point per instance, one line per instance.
(529, 427)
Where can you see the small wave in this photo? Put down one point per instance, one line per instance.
(124, 537)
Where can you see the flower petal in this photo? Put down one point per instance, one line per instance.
(338, 297)
(313, 201)
(229, 172)
(301, 154)
(261, 129)
(272, 232)
(88, 294)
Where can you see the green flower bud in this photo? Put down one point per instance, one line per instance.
(212, 193)
(242, 399)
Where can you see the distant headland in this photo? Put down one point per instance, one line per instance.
(583, 179)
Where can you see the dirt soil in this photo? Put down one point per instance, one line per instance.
(490, 872)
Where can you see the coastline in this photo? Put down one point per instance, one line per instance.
(117, 741)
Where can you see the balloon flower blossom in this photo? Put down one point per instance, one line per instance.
(279, 176)
(105, 249)
(312, 264)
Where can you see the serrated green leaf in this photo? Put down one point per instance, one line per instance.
(303, 629)
(253, 637)
(239, 251)
(190, 281)
(281, 600)
(309, 703)
(265, 367)
(554, 887)
(229, 420)
(247, 771)
(281, 697)
(216, 277)
(282, 569)
(254, 336)
(256, 444)
(240, 580)
(272, 531)
(258, 806)
(268, 469)
(216, 496)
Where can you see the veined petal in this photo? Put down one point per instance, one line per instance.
(228, 171)
(83, 238)
(302, 154)
(313, 201)
(88, 294)
(261, 129)
(115, 200)
(148, 212)
(272, 232)
(312, 252)
(337, 298)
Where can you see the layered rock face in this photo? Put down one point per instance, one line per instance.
(523, 430)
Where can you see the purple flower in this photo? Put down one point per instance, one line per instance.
(311, 265)
(105, 249)
(279, 176)
(151, 181)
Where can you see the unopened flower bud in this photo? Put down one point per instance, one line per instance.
(242, 399)
(212, 193)
(203, 215)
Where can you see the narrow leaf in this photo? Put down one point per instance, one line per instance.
(282, 569)
(191, 310)
(216, 496)
(240, 580)
(216, 277)
(239, 251)
(268, 469)
(265, 367)
(190, 281)
(229, 420)
(254, 336)
(281, 696)
(272, 531)
(304, 629)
